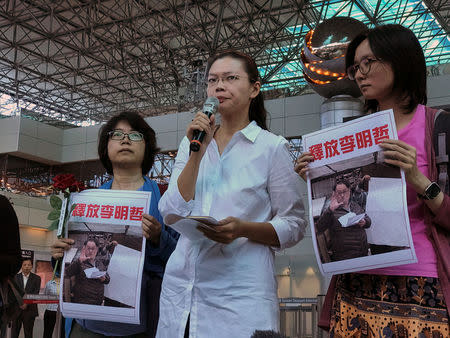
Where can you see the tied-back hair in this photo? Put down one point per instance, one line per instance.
(137, 123)
(257, 111)
(399, 47)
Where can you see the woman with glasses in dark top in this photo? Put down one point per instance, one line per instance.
(127, 148)
(388, 64)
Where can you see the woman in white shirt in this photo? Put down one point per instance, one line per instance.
(224, 285)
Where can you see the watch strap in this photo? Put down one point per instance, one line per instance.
(431, 192)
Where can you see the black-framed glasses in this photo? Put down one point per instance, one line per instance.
(363, 67)
(119, 135)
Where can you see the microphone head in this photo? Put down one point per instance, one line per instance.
(211, 105)
(194, 146)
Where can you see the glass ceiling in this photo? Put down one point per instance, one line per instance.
(412, 14)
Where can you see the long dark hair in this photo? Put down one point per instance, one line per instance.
(398, 46)
(257, 111)
(138, 124)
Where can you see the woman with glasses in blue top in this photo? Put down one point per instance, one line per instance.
(127, 148)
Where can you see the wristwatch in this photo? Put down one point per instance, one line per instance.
(430, 192)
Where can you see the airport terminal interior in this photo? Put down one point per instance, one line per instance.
(66, 67)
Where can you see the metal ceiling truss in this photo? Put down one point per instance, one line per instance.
(75, 61)
(162, 168)
(33, 178)
(295, 148)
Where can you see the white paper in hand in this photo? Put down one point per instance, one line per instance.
(350, 219)
(94, 273)
(187, 226)
(120, 270)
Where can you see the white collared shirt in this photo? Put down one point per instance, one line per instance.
(52, 288)
(25, 280)
(231, 290)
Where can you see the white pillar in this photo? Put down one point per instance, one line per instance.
(335, 109)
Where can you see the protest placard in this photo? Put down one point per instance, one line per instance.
(357, 202)
(102, 271)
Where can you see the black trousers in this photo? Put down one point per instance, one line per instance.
(49, 324)
(153, 292)
(186, 330)
(27, 319)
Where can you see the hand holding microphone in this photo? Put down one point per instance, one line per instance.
(199, 132)
(202, 124)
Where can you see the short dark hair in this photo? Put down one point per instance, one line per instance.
(136, 122)
(27, 259)
(398, 46)
(97, 244)
(342, 181)
(257, 111)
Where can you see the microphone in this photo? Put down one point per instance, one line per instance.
(209, 108)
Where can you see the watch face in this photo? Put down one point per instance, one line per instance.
(433, 190)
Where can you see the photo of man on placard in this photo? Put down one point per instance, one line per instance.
(352, 208)
(90, 275)
(97, 268)
(345, 220)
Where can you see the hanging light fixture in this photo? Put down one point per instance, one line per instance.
(323, 56)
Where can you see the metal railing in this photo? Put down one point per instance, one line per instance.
(299, 317)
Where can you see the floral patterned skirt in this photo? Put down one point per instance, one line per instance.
(389, 306)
